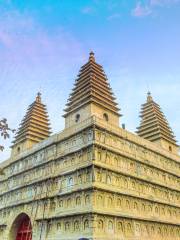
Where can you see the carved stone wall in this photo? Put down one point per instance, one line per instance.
(133, 167)
(96, 182)
(125, 228)
(134, 207)
(116, 182)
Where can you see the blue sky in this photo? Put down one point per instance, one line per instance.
(43, 44)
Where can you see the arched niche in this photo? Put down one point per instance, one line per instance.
(21, 228)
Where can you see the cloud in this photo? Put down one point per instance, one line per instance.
(23, 39)
(87, 10)
(114, 16)
(5, 39)
(31, 57)
(146, 9)
(163, 2)
(141, 11)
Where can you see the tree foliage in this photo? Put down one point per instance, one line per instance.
(5, 130)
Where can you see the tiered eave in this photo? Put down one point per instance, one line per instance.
(154, 125)
(91, 86)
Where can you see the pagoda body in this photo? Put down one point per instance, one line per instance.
(94, 180)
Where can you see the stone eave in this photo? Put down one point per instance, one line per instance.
(88, 102)
(89, 95)
(89, 91)
(90, 85)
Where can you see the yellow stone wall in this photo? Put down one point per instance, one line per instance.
(93, 180)
(168, 146)
(21, 147)
(88, 111)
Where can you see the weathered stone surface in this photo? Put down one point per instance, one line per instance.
(92, 181)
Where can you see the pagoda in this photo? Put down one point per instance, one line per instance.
(91, 96)
(155, 127)
(34, 127)
(93, 180)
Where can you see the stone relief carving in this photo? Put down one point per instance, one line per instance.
(137, 169)
(133, 150)
(130, 228)
(135, 186)
(138, 207)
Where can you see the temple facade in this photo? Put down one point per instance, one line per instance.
(94, 180)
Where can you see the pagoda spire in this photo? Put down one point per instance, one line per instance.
(155, 127)
(91, 89)
(38, 97)
(34, 127)
(149, 97)
(91, 56)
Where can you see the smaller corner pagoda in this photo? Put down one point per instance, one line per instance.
(155, 127)
(34, 128)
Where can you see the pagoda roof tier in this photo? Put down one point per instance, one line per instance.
(105, 106)
(154, 125)
(151, 121)
(89, 83)
(35, 124)
(91, 92)
(91, 86)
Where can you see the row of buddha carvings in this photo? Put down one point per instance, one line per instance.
(92, 96)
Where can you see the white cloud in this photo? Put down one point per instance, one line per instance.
(114, 16)
(87, 10)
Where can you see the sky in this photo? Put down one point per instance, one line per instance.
(44, 43)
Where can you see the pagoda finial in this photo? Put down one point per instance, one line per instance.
(149, 97)
(38, 97)
(91, 56)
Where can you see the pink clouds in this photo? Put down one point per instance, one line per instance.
(5, 39)
(32, 56)
(25, 41)
(141, 11)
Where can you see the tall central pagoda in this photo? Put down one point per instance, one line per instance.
(91, 96)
